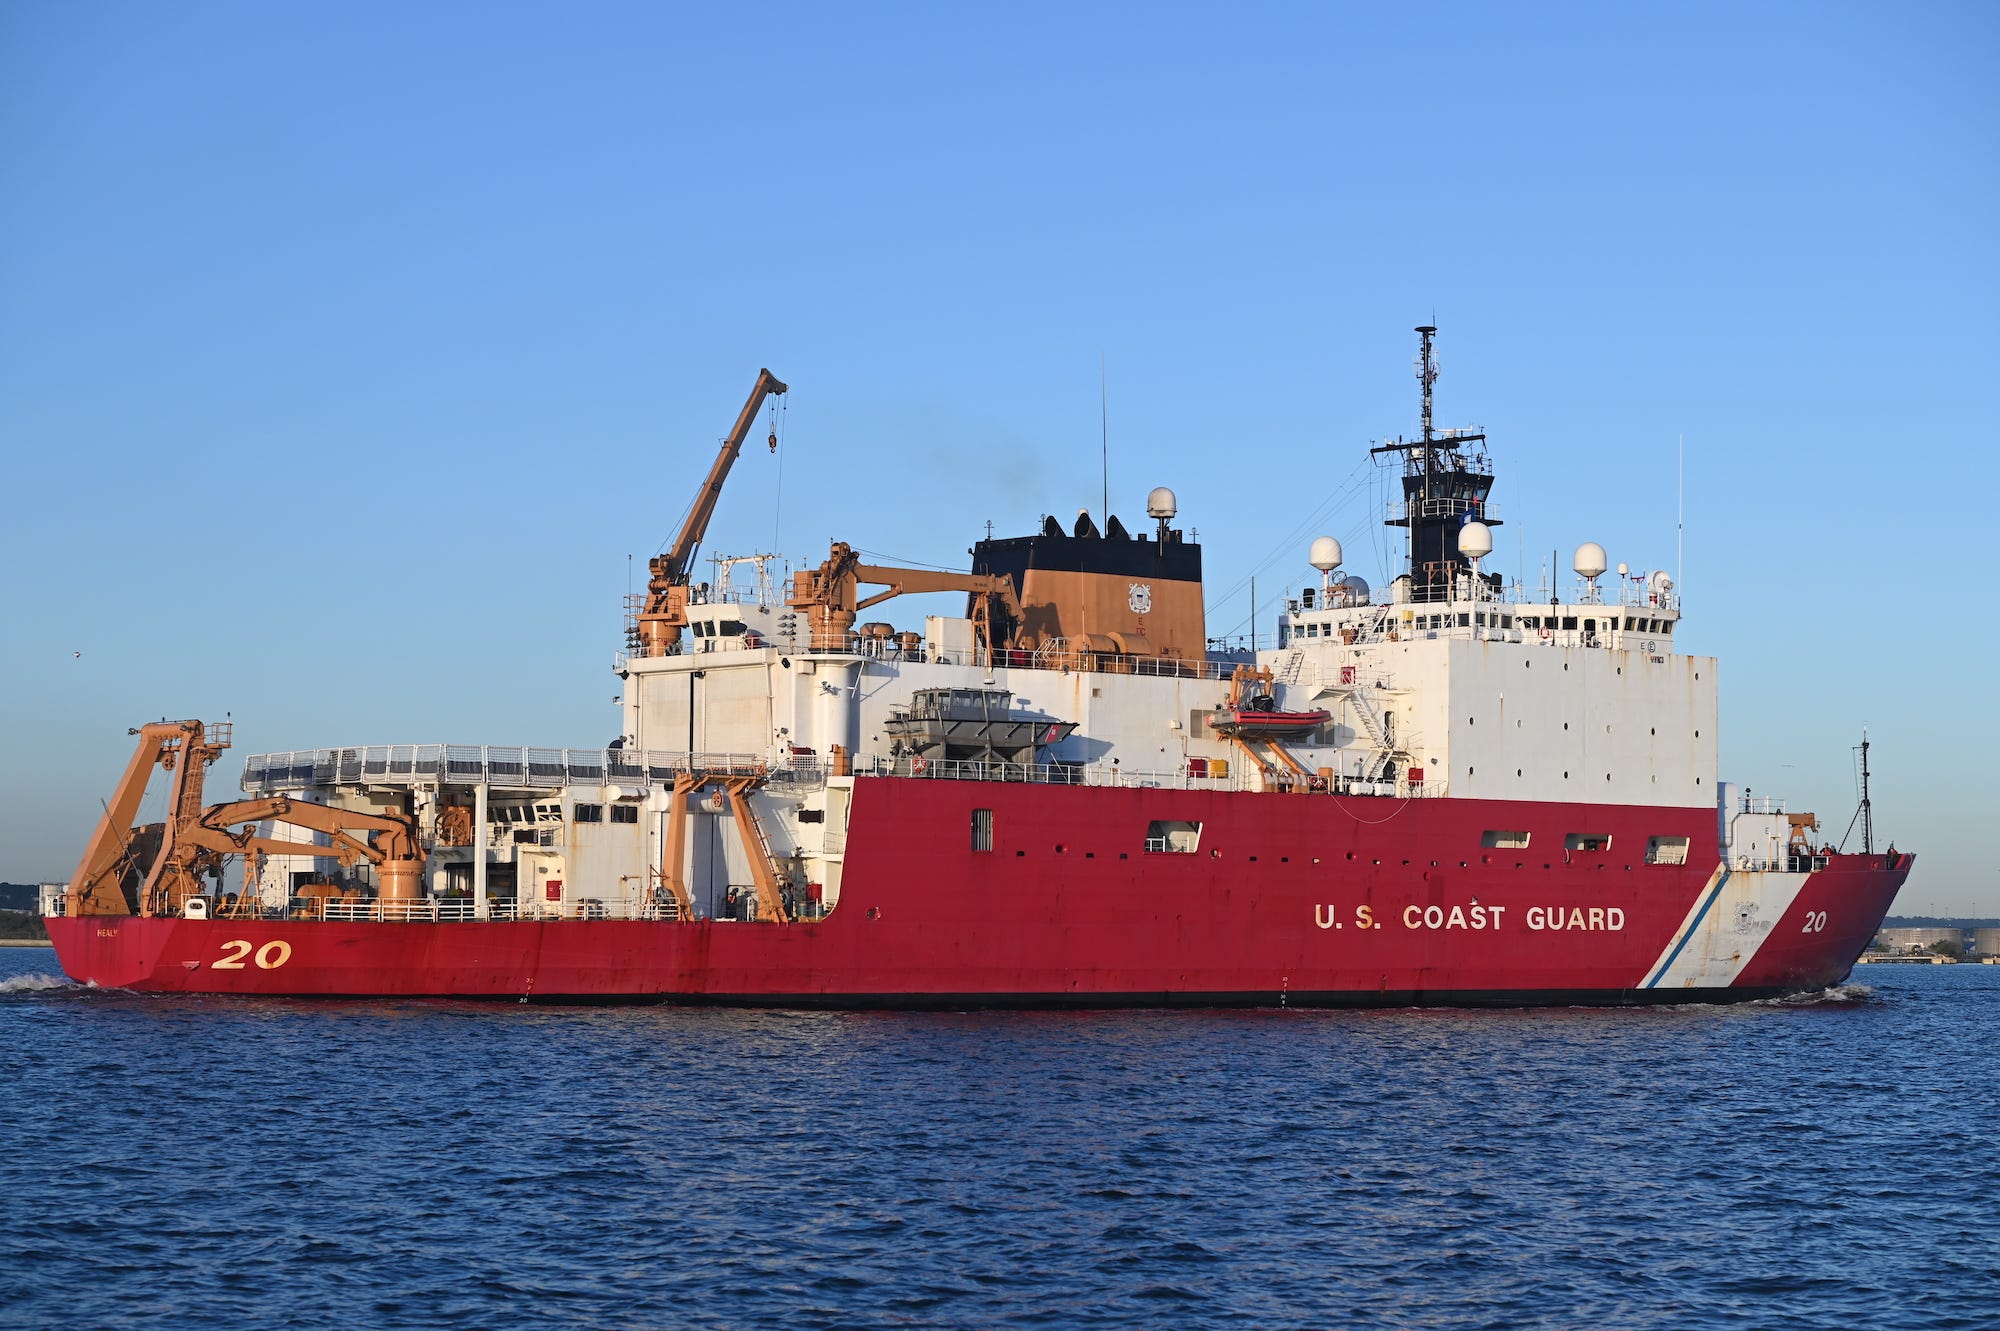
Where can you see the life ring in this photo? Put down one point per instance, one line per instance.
(1545, 635)
(918, 765)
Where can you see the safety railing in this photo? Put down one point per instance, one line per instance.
(503, 765)
(1237, 776)
(446, 910)
(1779, 864)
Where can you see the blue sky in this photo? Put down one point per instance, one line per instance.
(347, 351)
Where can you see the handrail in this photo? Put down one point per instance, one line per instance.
(506, 765)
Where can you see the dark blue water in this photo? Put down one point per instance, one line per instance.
(224, 1162)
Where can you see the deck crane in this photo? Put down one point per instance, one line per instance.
(665, 612)
(153, 870)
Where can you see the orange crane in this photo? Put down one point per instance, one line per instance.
(828, 596)
(665, 611)
(153, 870)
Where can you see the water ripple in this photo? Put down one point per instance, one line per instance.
(1819, 1161)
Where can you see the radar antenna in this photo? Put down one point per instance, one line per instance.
(1446, 480)
(1427, 373)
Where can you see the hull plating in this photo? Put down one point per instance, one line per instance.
(1295, 899)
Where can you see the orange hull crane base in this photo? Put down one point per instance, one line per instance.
(665, 612)
(195, 841)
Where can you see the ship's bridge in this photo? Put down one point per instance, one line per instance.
(1638, 614)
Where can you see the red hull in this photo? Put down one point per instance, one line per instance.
(1300, 899)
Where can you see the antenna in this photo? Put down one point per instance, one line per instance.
(1680, 513)
(1104, 431)
(1867, 809)
(1427, 373)
(1865, 815)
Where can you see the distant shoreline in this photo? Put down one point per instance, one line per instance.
(25, 942)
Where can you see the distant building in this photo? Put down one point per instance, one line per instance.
(1922, 940)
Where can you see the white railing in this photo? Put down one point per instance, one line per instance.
(471, 765)
(503, 765)
(1240, 776)
(443, 910)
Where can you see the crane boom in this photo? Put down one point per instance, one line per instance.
(829, 597)
(665, 612)
(193, 841)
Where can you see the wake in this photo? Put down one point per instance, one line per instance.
(29, 984)
(1838, 995)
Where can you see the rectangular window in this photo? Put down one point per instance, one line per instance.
(1504, 840)
(1173, 838)
(1569, 621)
(1464, 620)
(1591, 841)
(1666, 850)
(982, 829)
(624, 813)
(590, 813)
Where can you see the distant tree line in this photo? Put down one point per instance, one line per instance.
(20, 896)
(21, 924)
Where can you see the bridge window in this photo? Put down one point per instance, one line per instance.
(624, 813)
(589, 813)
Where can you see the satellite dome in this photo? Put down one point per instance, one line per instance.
(1325, 554)
(1160, 503)
(1356, 587)
(1589, 561)
(1475, 540)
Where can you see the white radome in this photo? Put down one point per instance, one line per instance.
(1161, 503)
(1325, 554)
(1475, 540)
(1589, 561)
